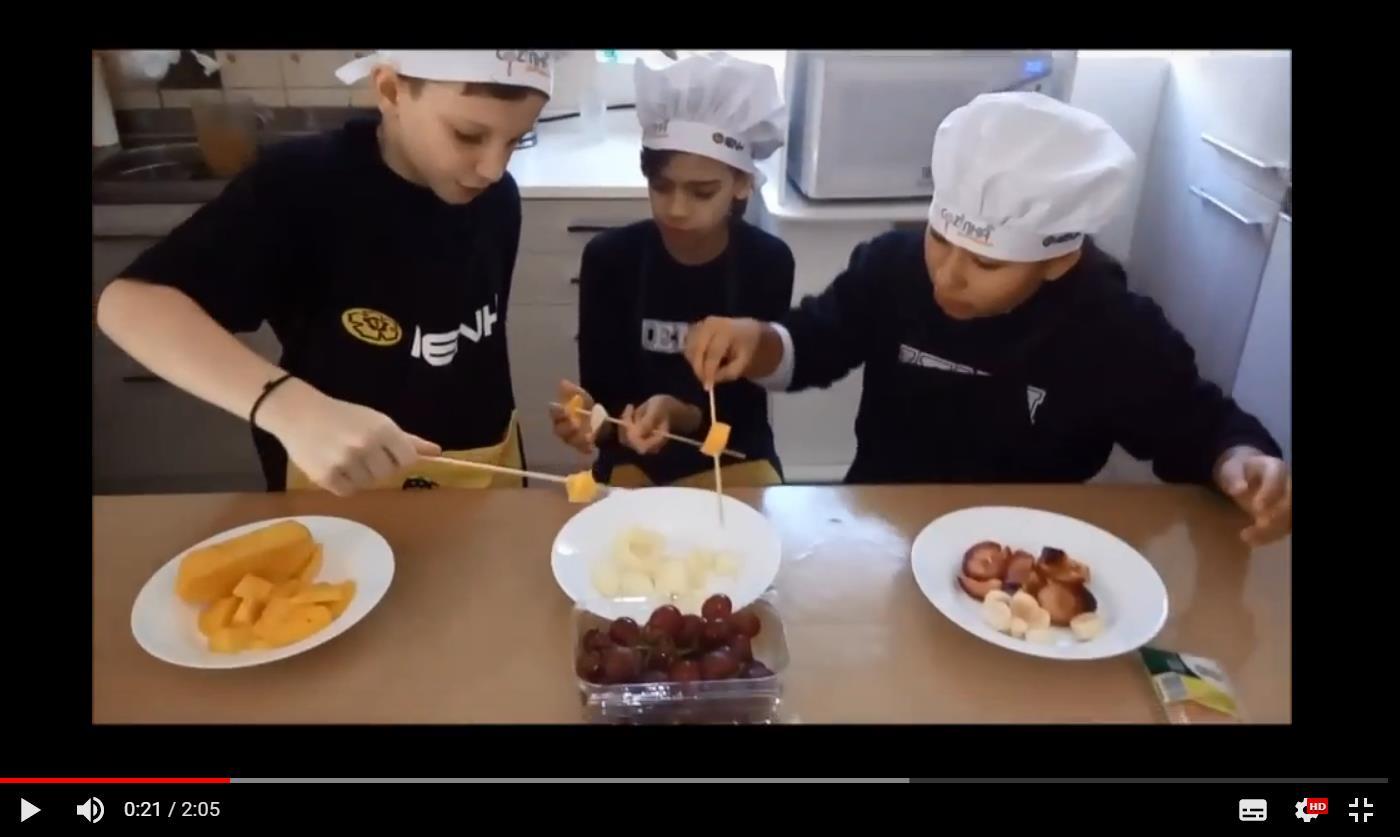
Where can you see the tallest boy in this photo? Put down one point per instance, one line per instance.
(381, 254)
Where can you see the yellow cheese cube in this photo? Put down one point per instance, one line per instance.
(581, 487)
(309, 574)
(573, 405)
(247, 612)
(217, 615)
(232, 639)
(716, 439)
(319, 593)
(253, 587)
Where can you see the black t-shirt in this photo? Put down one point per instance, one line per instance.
(636, 304)
(1040, 394)
(380, 293)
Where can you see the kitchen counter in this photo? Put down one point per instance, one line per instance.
(474, 629)
(564, 163)
(567, 163)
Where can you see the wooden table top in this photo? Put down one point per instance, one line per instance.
(474, 628)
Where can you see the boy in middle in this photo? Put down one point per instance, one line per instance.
(705, 120)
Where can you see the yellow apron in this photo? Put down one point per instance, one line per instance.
(759, 472)
(433, 474)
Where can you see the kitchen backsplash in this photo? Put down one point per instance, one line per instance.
(272, 78)
(306, 78)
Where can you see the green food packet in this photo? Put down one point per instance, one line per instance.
(1191, 689)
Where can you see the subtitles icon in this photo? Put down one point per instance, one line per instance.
(1254, 810)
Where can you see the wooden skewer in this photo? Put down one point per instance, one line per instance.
(499, 469)
(695, 443)
(719, 480)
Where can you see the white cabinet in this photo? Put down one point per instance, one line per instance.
(542, 327)
(1207, 213)
(814, 430)
(543, 349)
(1264, 385)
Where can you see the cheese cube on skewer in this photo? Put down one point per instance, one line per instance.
(573, 405)
(716, 439)
(581, 487)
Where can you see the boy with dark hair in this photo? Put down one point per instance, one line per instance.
(999, 343)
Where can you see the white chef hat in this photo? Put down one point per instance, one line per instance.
(1022, 177)
(516, 67)
(714, 105)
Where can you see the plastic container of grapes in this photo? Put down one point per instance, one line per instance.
(732, 701)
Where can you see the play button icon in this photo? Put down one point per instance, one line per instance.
(27, 809)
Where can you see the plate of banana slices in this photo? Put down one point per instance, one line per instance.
(1039, 583)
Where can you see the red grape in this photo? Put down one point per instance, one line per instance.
(660, 659)
(654, 637)
(667, 618)
(746, 622)
(742, 648)
(718, 665)
(625, 631)
(653, 676)
(621, 665)
(755, 670)
(589, 666)
(717, 606)
(689, 634)
(596, 640)
(716, 633)
(685, 671)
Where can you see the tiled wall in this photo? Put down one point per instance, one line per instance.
(273, 78)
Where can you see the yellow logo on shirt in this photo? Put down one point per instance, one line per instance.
(373, 327)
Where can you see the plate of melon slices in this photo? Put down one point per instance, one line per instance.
(1039, 583)
(262, 592)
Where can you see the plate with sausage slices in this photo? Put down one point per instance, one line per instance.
(1039, 583)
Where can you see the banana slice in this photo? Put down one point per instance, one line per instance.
(998, 596)
(997, 614)
(607, 580)
(1040, 636)
(1040, 619)
(597, 417)
(671, 579)
(1086, 626)
(1018, 627)
(637, 584)
(1024, 606)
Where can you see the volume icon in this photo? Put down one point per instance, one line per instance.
(92, 810)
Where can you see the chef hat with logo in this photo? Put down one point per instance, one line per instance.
(515, 67)
(714, 105)
(1022, 177)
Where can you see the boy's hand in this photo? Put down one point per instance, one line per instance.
(573, 429)
(648, 424)
(721, 349)
(1262, 486)
(340, 446)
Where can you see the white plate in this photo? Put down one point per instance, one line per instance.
(689, 519)
(168, 627)
(1131, 597)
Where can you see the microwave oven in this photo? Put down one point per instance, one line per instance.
(862, 122)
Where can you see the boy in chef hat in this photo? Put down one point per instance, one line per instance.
(999, 343)
(705, 120)
(381, 255)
